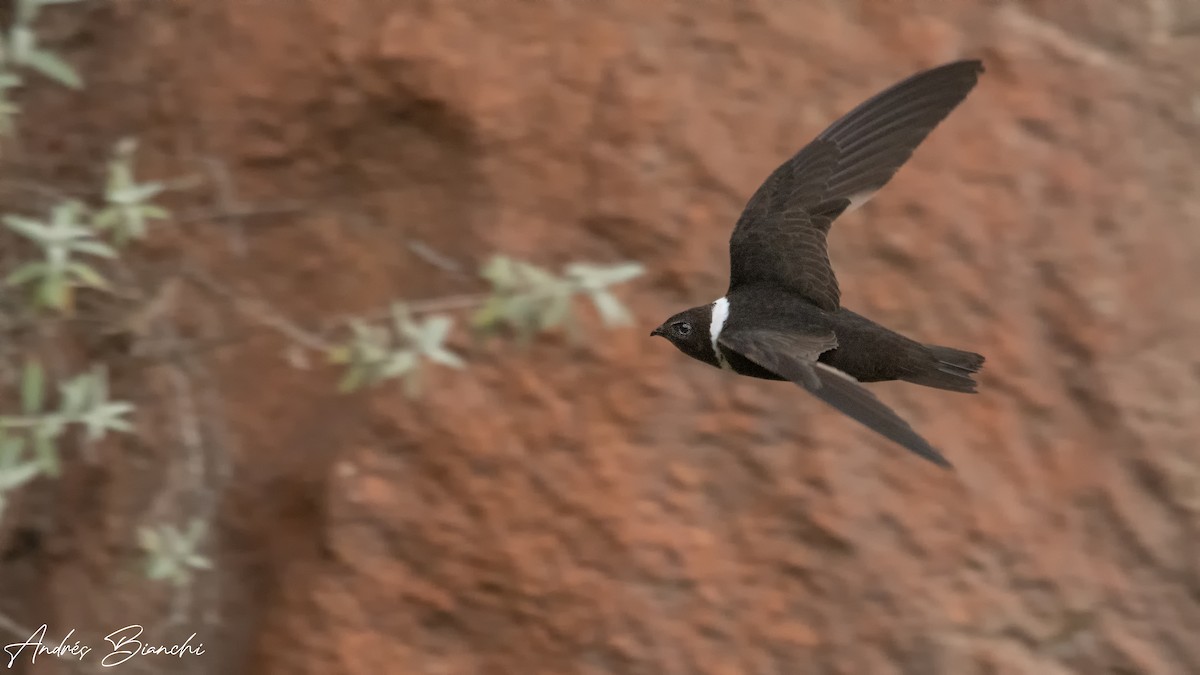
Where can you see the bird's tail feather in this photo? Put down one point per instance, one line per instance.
(949, 369)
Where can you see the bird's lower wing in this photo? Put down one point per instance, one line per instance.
(795, 357)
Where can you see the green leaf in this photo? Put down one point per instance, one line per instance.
(537, 278)
(53, 425)
(155, 211)
(612, 312)
(28, 228)
(13, 477)
(555, 311)
(171, 554)
(148, 538)
(53, 67)
(491, 313)
(338, 354)
(499, 270)
(87, 276)
(446, 358)
(402, 322)
(74, 394)
(603, 276)
(67, 212)
(135, 194)
(54, 292)
(96, 248)
(11, 447)
(160, 567)
(399, 364)
(33, 387)
(106, 218)
(46, 452)
(352, 380)
(121, 424)
(22, 39)
(14, 471)
(106, 417)
(436, 329)
(26, 273)
(176, 541)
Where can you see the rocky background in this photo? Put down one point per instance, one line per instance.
(614, 507)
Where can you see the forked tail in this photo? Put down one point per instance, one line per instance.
(948, 369)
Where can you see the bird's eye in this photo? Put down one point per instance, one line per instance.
(683, 328)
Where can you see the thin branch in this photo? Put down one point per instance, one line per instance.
(449, 303)
(43, 189)
(207, 215)
(258, 311)
(183, 182)
(13, 628)
(226, 196)
(439, 260)
(30, 421)
(192, 438)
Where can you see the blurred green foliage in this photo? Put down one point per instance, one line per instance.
(20, 52)
(524, 298)
(76, 245)
(527, 299)
(173, 554)
(377, 353)
(29, 442)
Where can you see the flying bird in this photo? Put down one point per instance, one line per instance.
(781, 318)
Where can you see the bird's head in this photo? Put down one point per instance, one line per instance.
(689, 332)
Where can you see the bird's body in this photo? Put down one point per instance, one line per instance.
(865, 350)
(781, 318)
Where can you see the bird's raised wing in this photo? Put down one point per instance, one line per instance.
(780, 236)
(795, 358)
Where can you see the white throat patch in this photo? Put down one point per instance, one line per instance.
(720, 314)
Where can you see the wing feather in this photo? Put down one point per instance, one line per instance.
(794, 356)
(838, 171)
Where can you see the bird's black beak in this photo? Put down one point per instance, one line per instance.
(656, 331)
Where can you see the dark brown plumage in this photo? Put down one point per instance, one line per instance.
(781, 317)
(780, 236)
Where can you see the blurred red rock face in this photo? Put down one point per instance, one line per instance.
(610, 508)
